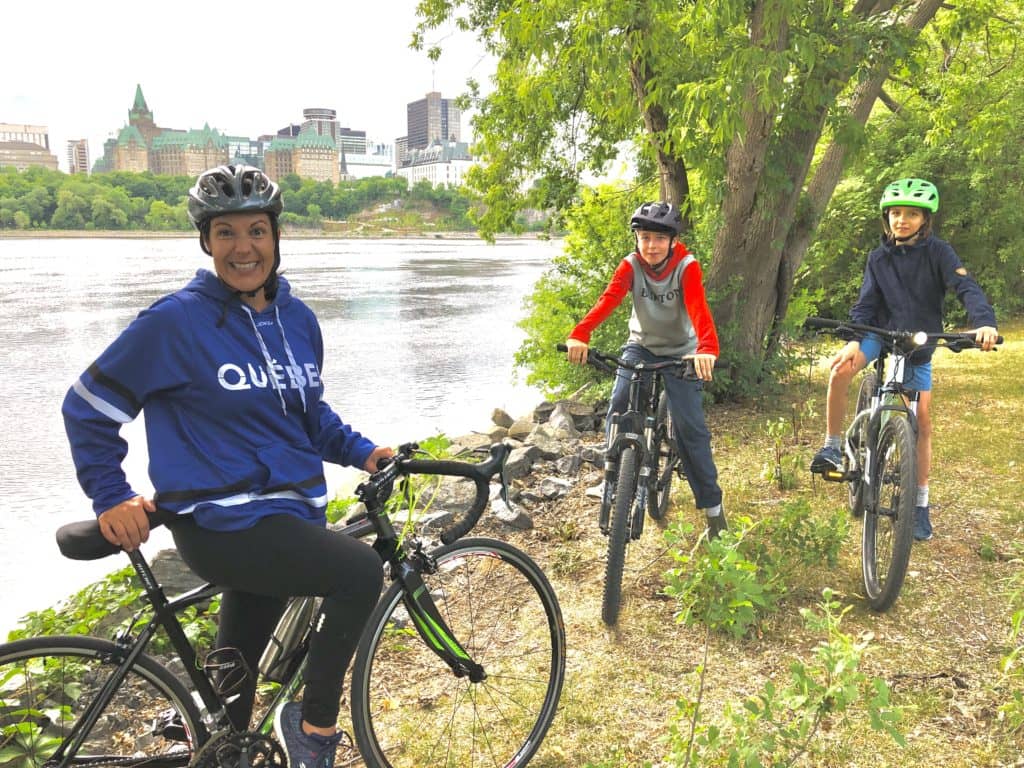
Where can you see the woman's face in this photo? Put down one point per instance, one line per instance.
(905, 220)
(242, 246)
(652, 246)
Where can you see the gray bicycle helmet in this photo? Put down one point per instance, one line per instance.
(232, 189)
(657, 217)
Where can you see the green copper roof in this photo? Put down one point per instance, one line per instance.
(193, 138)
(130, 133)
(308, 137)
(281, 143)
(140, 100)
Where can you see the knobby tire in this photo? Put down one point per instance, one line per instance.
(856, 492)
(409, 710)
(618, 535)
(889, 524)
(667, 462)
(46, 683)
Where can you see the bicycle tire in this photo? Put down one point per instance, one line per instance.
(889, 522)
(666, 459)
(618, 536)
(856, 491)
(408, 708)
(46, 683)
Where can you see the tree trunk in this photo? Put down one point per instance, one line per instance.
(675, 186)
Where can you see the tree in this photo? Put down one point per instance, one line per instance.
(746, 114)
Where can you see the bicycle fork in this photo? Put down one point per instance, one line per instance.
(432, 627)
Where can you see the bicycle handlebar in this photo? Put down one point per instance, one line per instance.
(83, 540)
(374, 491)
(607, 363)
(907, 341)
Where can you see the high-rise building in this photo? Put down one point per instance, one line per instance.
(432, 119)
(31, 134)
(78, 156)
(323, 121)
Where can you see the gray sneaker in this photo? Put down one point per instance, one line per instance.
(826, 460)
(305, 750)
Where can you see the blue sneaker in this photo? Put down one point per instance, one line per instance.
(922, 525)
(826, 460)
(305, 750)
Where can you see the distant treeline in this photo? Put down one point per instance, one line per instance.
(39, 198)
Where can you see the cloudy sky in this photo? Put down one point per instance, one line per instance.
(74, 67)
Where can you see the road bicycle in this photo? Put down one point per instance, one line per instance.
(880, 452)
(461, 663)
(641, 460)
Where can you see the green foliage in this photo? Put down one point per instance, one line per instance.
(778, 725)
(1012, 666)
(43, 199)
(598, 238)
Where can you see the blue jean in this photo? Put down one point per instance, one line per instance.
(693, 439)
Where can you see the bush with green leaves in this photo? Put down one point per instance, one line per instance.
(778, 725)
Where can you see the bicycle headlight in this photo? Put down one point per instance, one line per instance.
(919, 339)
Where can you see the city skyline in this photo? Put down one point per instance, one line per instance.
(255, 85)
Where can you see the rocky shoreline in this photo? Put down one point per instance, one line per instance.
(556, 448)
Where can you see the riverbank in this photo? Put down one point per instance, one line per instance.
(287, 233)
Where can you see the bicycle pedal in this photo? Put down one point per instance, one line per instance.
(834, 475)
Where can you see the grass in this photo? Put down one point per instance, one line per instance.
(939, 648)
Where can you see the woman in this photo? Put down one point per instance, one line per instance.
(227, 370)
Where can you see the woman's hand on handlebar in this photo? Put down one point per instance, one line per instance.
(380, 452)
(126, 525)
(986, 337)
(703, 366)
(576, 351)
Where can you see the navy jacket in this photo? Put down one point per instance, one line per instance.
(235, 423)
(904, 289)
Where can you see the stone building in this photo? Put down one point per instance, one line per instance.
(25, 146)
(310, 155)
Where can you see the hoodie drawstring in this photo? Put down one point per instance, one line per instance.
(296, 370)
(268, 361)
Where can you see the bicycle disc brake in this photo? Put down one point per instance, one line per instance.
(247, 749)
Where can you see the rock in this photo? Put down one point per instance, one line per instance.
(172, 573)
(469, 443)
(497, 433)
(568, 465)
(554, 487)
(502, 419)
(520, 461)
(561, 421)
(546, 444)
(511, 515)
(594, 455)
(521, 429)
(437, 521)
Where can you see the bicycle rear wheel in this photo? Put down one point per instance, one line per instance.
(46, 683)
(408, 708)
(667, 462)
(618, 537)
(889, 524)
(856, 490)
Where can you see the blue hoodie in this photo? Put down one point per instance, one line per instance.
(235, 423)
(905, 286)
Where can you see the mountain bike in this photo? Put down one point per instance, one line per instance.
(641, 460)
(880, 453)
(461, 663)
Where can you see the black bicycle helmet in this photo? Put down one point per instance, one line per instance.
(232, 189)
(657, 217)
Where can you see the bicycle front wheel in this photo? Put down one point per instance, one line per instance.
(856, 490)
(667, 462)
(618, 536)
(889, 524)
(47, 683)
(408, 708)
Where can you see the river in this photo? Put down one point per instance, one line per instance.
(419, 338)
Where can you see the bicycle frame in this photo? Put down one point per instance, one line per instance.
(405, 561)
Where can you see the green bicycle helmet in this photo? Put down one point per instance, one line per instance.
(916, 193)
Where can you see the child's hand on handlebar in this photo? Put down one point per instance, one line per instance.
(846, 357)
(577, 351)
(704, 366)
(986, 337)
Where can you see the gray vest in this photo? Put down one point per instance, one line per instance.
(660, 321)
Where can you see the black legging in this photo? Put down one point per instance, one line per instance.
(260, 567)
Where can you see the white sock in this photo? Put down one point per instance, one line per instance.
(922, 495)
(833, 441)
(714, 511)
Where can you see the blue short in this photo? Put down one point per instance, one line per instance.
(917, 376)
